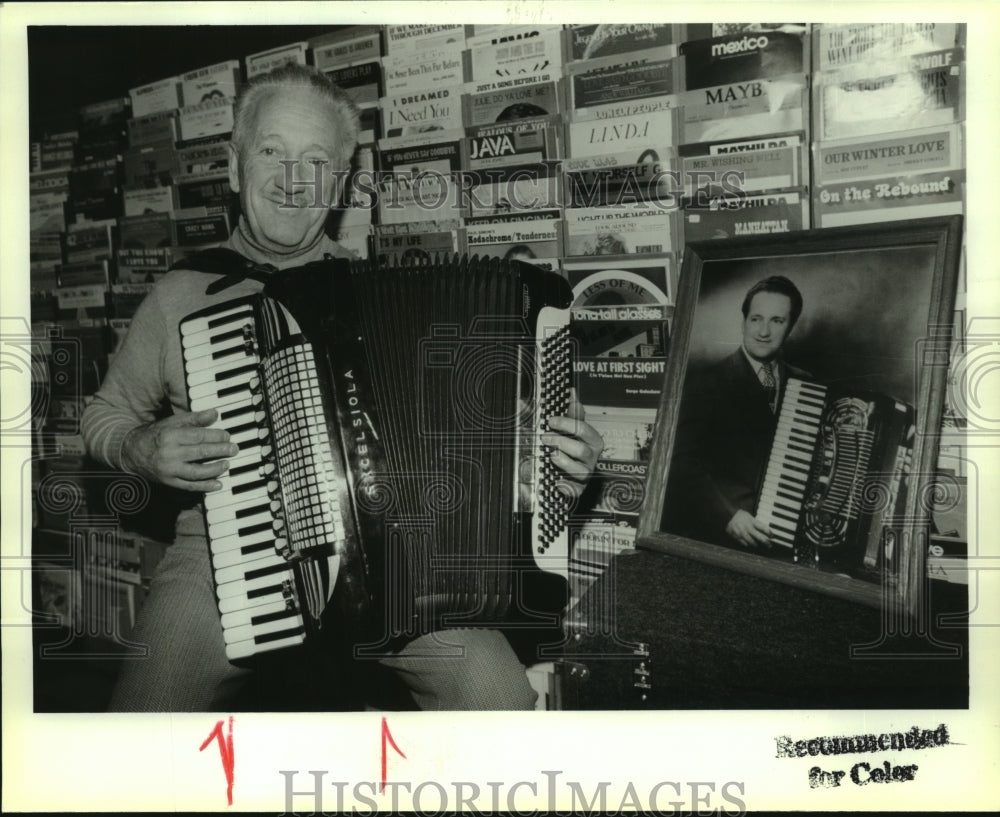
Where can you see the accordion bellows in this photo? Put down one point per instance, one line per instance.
(384, 418)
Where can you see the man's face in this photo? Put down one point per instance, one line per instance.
(291, 124)
(766, 325)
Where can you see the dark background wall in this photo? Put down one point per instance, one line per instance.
(73, 66)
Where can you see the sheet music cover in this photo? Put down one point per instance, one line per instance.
(892, 154)
(939, 193)
(264, 61)
(836, 45)
(362, 81)
(422, 111)
(213, 117)
(742, 57)
(154, 127)
(629, 229)
(765, 214)
(145, 232)
(347, 46)
(761, 164)
(599, 82)
(511, 99)
(149, 200)
(156, 97)
(219, 81)
(623, 108)
(400, 250)
(637, 134)
(620, 280)
(404, 73)
(533, 237)
(408, 39)
(850, 107)
(531, 59)
(744, 109)
(502, 148)
(607, 39)
(417, 182)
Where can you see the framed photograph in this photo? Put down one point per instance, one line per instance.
(797, 435)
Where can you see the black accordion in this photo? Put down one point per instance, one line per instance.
(385, 419)
(835, 481)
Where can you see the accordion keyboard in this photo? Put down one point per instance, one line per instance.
(255, 584)
(785, 479)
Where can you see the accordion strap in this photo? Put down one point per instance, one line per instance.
(229, 264)
(232, 267)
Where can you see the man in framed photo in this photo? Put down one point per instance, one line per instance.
(727, 421)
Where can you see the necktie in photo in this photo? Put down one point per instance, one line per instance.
(770, 385)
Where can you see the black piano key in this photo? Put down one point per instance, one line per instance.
(228, 390)
(248, 486)
(250, 367)
(265, 571)
(243, 469)
(258, 592)
(252, 529)
(248, 550)
(215, 323)
(263, 639)
(266, 618)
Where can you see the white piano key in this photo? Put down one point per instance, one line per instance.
(227, 374)
(201, 326)
(243, 618)
(239, 572)
(207, 400)
(233, 633)
(222, 506)
(249, 648)
(236, 556)
(206, 343)
(224, 544)
(234, 604)
(213, 387)
(241, 589)
(217, 359)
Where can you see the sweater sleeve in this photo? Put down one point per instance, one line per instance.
(134, 388)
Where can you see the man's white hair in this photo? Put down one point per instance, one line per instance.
(293, 75)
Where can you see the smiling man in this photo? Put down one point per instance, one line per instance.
(727, 421)
(292, 127)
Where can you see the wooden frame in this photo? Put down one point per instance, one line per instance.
(889, 287)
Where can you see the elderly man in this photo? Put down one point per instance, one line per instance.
(292, 118)
(727, 422)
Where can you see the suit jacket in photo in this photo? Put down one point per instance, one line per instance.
(723, 440)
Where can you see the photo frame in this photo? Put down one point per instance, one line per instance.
(874, 331)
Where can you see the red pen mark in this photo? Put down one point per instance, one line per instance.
(387, 734)
(226, 750)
